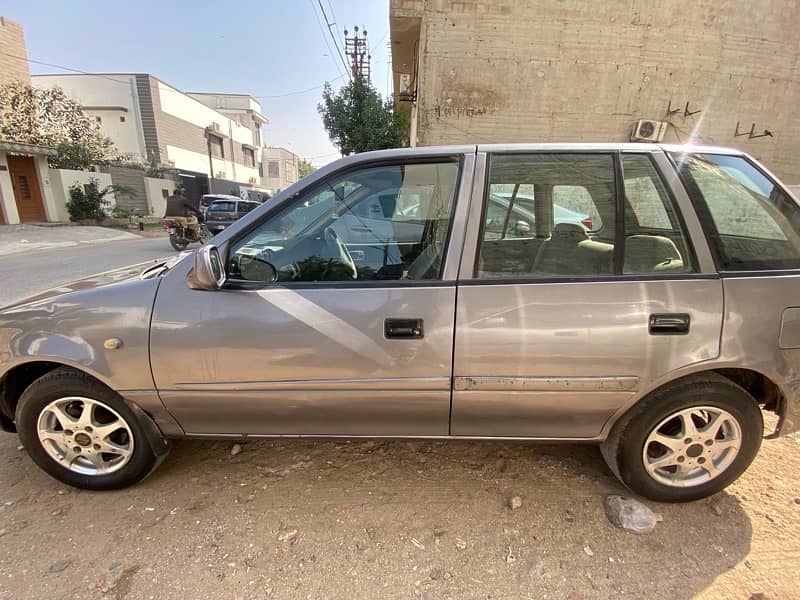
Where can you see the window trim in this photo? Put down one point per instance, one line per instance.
(707, 224)
(318, 185)
(618, 158)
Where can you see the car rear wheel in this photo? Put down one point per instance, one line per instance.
(687, 441)
(82, 433)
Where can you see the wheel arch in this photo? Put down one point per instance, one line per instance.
(761, 387)
(16, 380)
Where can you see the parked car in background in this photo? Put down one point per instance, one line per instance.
(222, 212)
(207, 199)
(379, 297)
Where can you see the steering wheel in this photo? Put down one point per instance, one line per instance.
(340, 251)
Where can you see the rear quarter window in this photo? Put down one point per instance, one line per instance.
(752, 224)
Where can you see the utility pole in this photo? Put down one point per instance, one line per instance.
(357, 50)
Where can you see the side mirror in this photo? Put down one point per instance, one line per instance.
(208, 271)
(522, 228)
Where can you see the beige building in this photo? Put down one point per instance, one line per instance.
(279, 168)
(724, 72)
(25, 191)
(211, 150)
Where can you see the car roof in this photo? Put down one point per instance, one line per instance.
(547, 146)
(221, 197)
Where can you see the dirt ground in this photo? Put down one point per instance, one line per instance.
(391, 519)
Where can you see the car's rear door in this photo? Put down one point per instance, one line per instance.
(553, 345)
(318, 352)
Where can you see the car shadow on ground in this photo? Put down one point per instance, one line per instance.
(453, 497)
(360, 519)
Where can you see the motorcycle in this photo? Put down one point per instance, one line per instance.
(181, 235)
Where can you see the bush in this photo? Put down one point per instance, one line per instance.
(87, 202)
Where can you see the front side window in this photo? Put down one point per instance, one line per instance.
(377, 223)
(752, 223)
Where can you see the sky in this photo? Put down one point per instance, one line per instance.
(263, 48)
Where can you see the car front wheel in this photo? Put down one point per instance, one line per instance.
(82, 433)
(687, 441)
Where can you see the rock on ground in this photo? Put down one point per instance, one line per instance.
(630, 514)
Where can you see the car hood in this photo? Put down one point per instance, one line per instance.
(145, 270)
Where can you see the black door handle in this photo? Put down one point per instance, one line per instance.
(670, 324)
(403, 329)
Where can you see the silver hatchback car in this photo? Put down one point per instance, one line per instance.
(385, 296)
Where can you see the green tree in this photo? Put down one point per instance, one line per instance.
(358, 119)
(89, 203)
(49, 117)
(305, 168)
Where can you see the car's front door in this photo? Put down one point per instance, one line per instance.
(306, 340)
(553, 345)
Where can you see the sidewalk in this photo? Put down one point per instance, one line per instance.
(26, 238)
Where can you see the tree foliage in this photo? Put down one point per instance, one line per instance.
(49, 117)
(305, 168)
(358, 119)
(89, 203)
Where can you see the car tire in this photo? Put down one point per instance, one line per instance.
(66, 419)
(686, 441)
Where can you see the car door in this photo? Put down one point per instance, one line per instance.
(606, 307)
(332, 346)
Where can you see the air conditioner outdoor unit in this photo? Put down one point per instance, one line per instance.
(220, 175)
(405, 83)
(215, 126)
(648, 131)
(252, 180)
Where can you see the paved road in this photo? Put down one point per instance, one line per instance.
(26, 274)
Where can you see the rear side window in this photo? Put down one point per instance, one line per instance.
(223, 206)
(752, 223)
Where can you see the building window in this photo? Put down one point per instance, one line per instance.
(216, 145)
(257, 130)
(260, 170)
(249, 156)
(99, 120)
(273, 169)
(122, 119)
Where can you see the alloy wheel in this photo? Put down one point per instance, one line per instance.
(692, 446)
(85, 436)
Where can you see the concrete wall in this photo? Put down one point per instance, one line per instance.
(572, 70)
(12, 45)
(63, 179)
(8, 205)
(155, 197)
